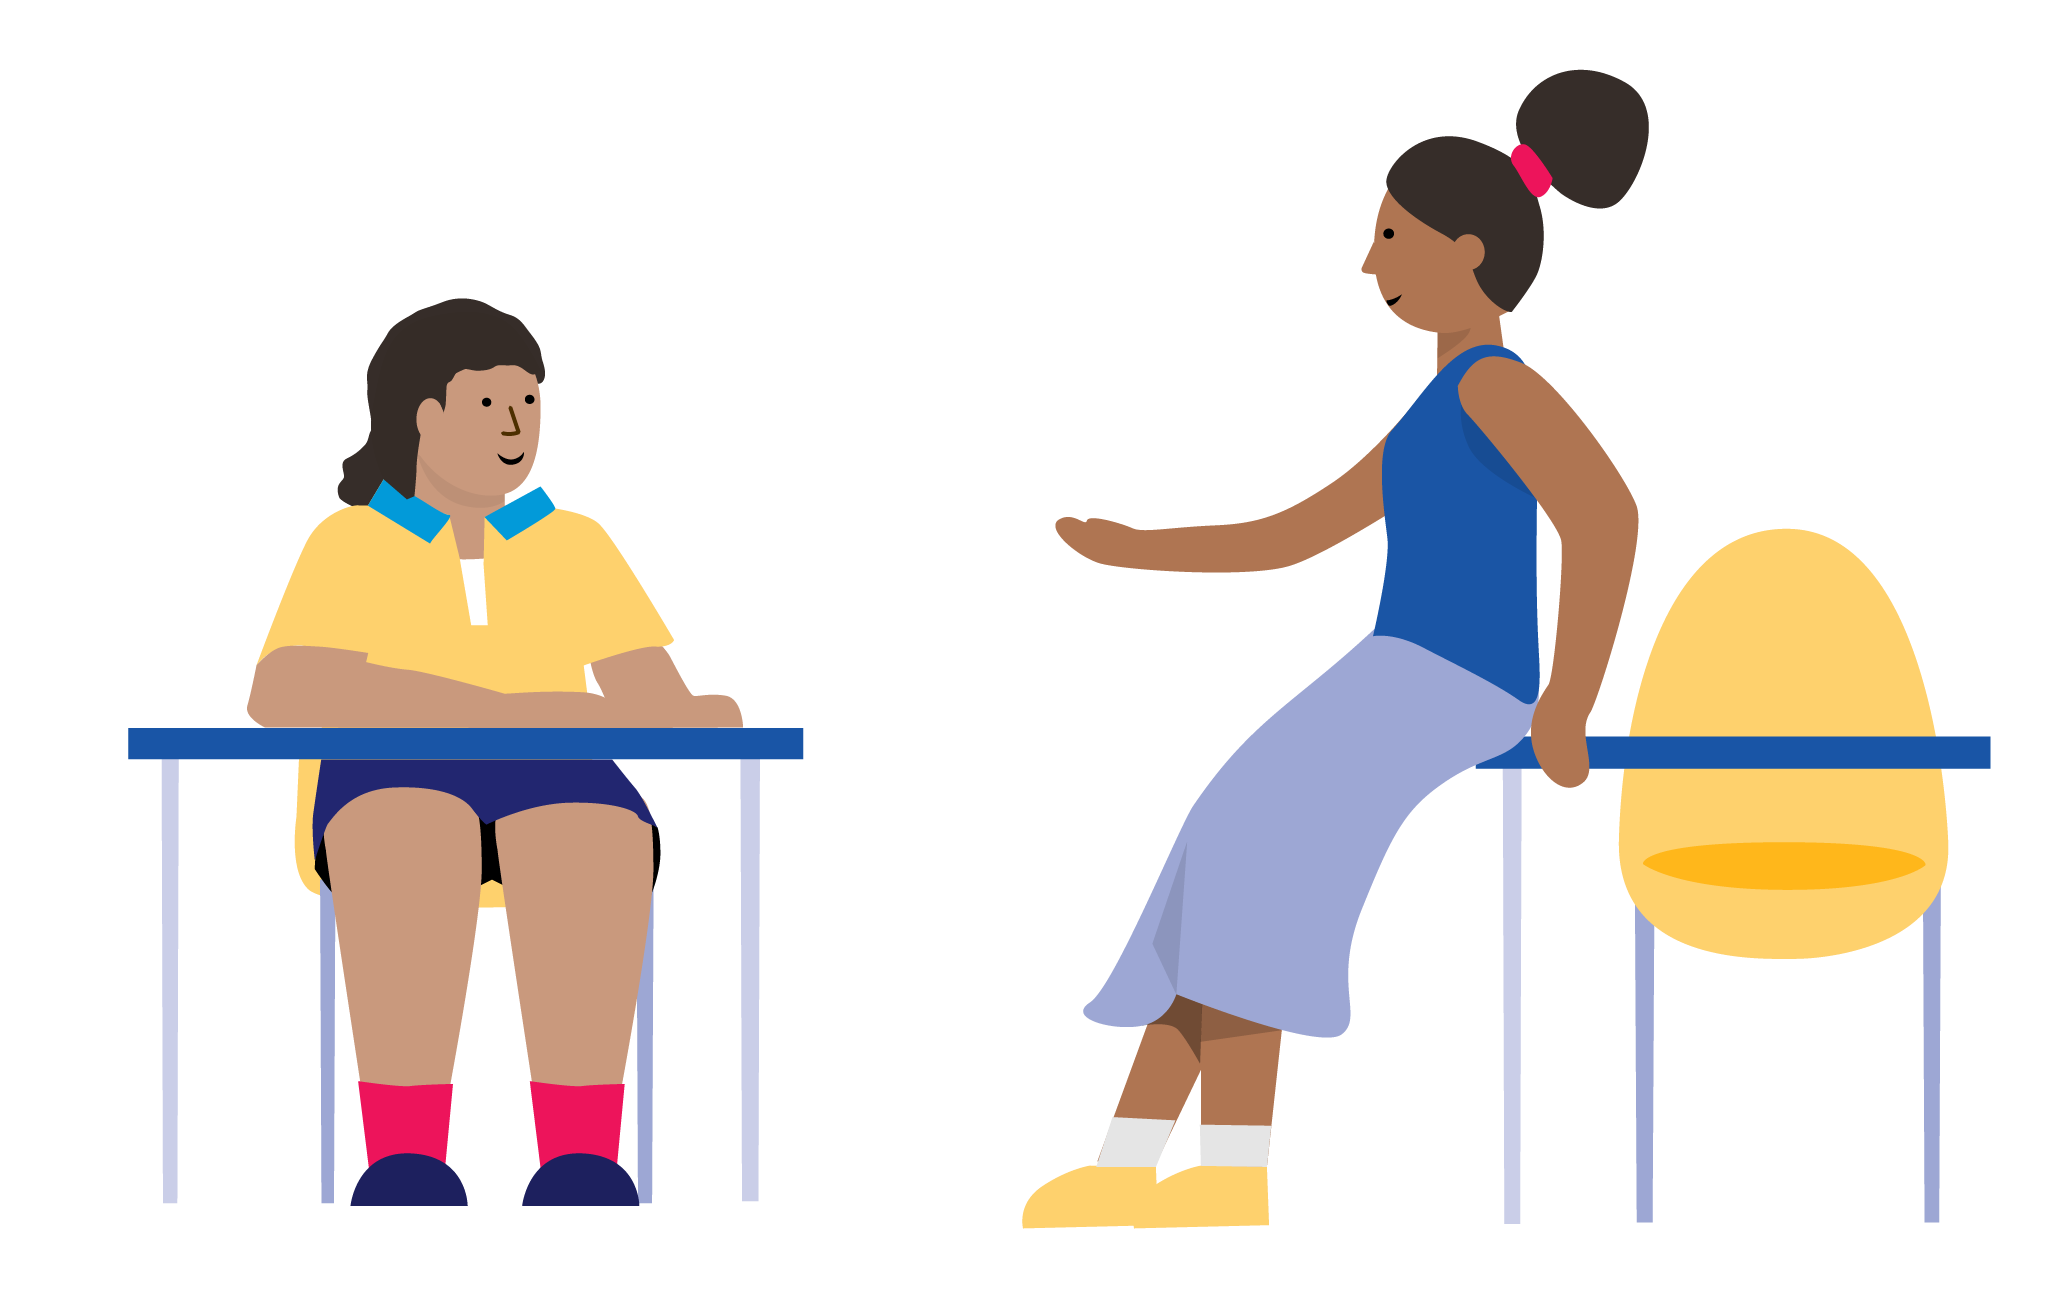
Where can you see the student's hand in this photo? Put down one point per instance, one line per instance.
(710, 710)
(1101, 540)
(1557, 738)
(703, 711)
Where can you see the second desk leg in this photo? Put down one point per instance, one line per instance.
(1514, 892)
(751, 978)
(169, 976)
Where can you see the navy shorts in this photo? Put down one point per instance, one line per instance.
(492, 789)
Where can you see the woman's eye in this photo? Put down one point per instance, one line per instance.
(1387, 233)
(485, 402)
(528, 398)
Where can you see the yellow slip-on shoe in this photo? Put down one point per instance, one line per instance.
(1208, 1196)
(1092, 1196)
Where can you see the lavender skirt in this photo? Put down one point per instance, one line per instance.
(1254, 911)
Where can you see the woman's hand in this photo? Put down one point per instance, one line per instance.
(1559, 742)
(1101, 540)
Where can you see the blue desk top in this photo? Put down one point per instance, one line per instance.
(1726, 752)
(305, 744)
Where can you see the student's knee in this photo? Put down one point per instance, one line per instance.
(413, 829)
(566, 827)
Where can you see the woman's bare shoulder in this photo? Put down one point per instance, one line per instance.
(1496, 377)
(1499, 390)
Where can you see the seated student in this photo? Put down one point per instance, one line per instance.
(432, 600)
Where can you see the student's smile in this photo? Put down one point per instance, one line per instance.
(510, 460)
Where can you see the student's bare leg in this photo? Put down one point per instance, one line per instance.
(1240, 1062)
(577, 879)
(1169, 1057)
(406, 880)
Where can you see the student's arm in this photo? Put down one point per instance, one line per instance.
(1309, 527)
(1590, 506)
(644, 688)
(308, 685)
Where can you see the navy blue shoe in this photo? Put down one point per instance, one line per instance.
(581, 1179)
(409, 1179)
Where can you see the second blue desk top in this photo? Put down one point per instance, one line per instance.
(1748, 752)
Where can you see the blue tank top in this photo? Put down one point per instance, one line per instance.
(1463, 529)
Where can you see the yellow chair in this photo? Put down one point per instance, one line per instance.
(1782, 633)
(327, 1006)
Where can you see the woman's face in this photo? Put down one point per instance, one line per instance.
(1426, 278)
(482, 442)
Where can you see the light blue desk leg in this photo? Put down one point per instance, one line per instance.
(751, 978)
(169, 974)
(1643, 1068)
(327, 1045)
(644, 1060)
(1514, 894)
(1931, 1061)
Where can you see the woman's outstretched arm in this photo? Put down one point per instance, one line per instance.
(1309, 527)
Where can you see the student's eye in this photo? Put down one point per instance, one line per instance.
(1387, 233)
(528, 398)
(485, 402)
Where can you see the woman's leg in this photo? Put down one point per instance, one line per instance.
(1168, 1060)
(1239, 1063)
(406, 879)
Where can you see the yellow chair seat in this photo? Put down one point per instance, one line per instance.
(1785, 865)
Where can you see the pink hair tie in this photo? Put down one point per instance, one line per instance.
(1536, 177)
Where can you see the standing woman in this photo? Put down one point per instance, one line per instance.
(434, 598)
(1249, 927)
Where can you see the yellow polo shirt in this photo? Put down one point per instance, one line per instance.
(385, 580)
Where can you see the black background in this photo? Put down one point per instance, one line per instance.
(831, 415)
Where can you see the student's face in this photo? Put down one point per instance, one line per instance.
(482, 442)
(1426, 278)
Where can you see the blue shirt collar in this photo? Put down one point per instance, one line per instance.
(423, 520)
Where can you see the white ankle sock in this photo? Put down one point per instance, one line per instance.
(1231, 1145)
(1135, 1143)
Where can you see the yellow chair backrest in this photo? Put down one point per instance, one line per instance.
(1782, 633)
(306, 851)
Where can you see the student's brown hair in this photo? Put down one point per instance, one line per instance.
(1590, 130)
(420, 354)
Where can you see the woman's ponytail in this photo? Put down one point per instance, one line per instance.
(1590, 130)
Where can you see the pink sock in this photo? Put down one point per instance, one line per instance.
(405, 1119)
(578, 1119)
